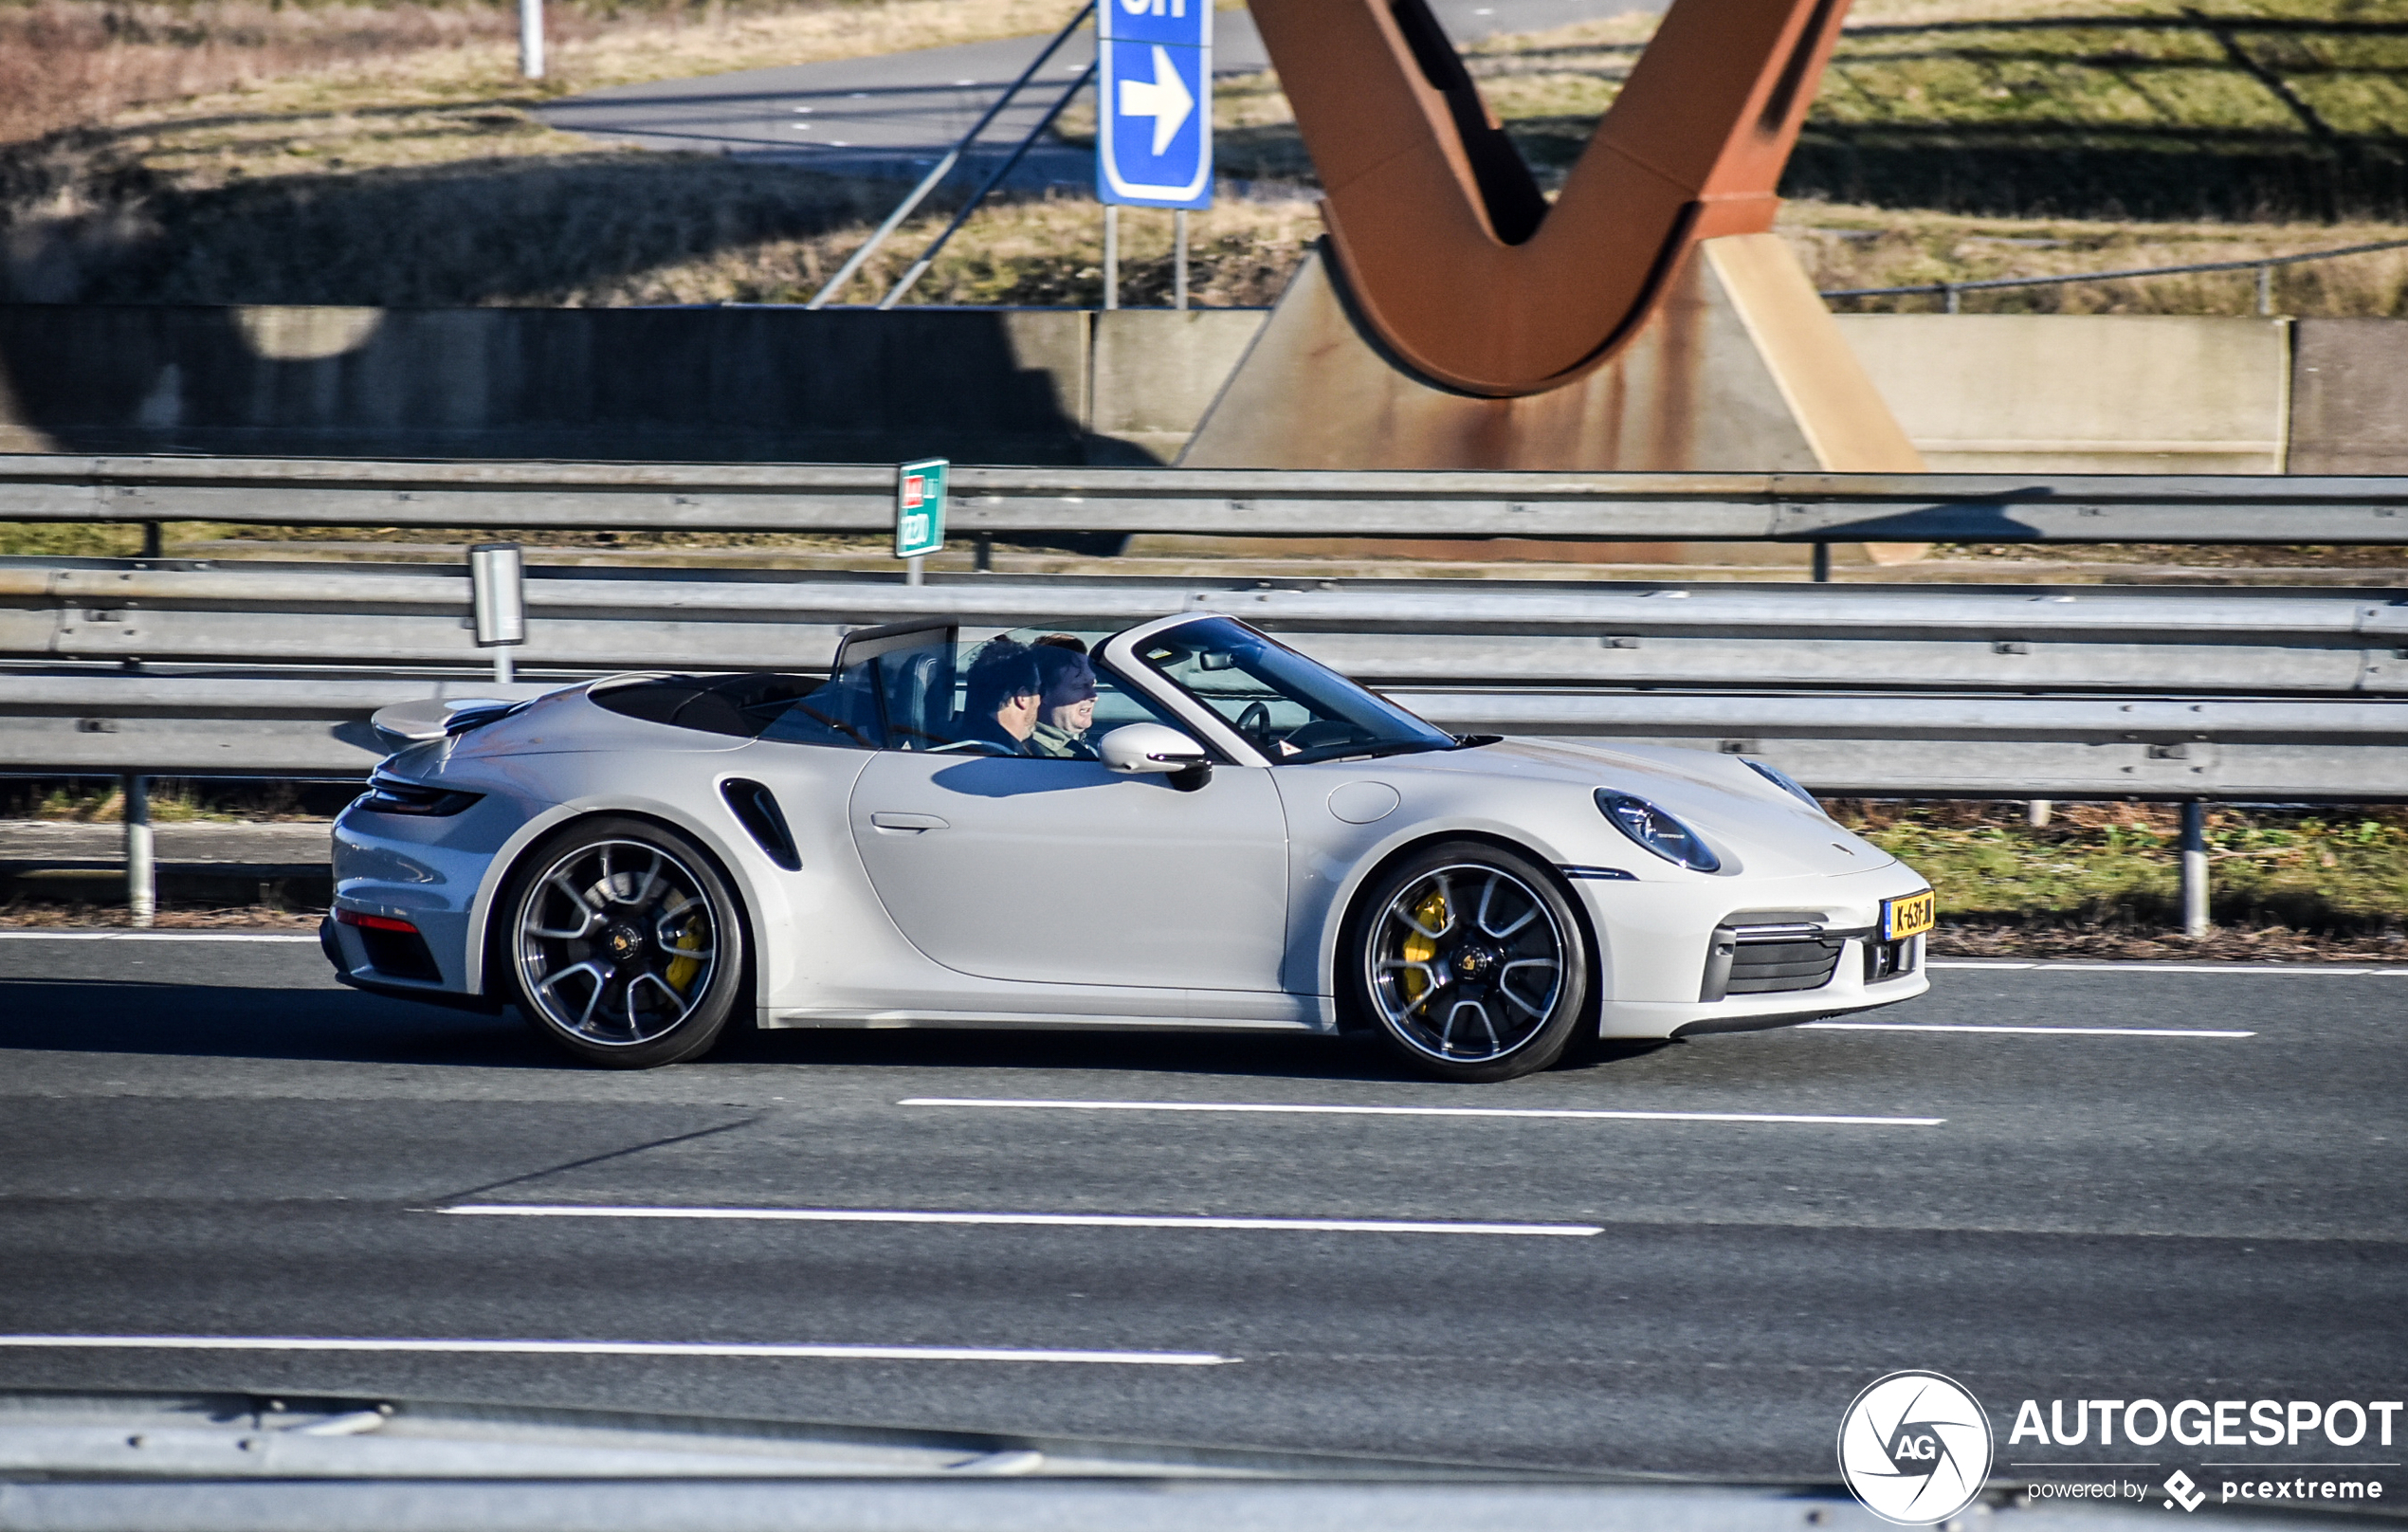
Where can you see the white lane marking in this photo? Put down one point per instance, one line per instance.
(2053, 1032)
(1965, 963)
(157, 935)
(2305, 970)
(1051, 1220)
(603, 1348)
(1432, 1111)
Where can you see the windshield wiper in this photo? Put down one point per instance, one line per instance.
(1368, 752)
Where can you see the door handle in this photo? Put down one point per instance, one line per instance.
(913, 823)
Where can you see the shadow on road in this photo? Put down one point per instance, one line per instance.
(220, 1021)
(213, 1021)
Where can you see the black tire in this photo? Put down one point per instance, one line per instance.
(1485, 932)
(622, 944)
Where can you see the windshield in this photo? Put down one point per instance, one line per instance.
(1291, 708)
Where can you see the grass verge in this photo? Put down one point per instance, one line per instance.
(2112, 871)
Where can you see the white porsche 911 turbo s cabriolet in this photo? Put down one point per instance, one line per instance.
(1187, 824)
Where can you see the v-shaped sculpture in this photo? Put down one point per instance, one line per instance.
(1446, 247)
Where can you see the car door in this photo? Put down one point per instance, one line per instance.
(1061, 871)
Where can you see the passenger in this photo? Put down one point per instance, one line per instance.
(1067, 711)
(1003, 695)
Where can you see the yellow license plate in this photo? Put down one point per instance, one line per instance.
(1907, 917)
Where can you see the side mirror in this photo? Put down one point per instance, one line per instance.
(1139, 748)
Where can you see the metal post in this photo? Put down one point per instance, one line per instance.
(531, 39)
(1111, 255)
(498, 601)
(1178, 257)
(2037, 812)
(1954, 300)
(2194, 869)
(983, 546)
(943, 168)
(1822, 563)
(142, 875)
(2265, 292)
(153, 541)
(914, 570)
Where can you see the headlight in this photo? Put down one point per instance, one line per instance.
(1784, 781)
(1657, 831)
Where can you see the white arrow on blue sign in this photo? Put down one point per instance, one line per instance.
(1153, 143)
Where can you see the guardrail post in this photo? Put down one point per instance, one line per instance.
(141, 877)
(1822, 563)
(153, 541)
(1952, 297)
(2265, 292)
(1111, 255)
(496, 581)
(1178, 257)
(2037, 812)
(2194, 869)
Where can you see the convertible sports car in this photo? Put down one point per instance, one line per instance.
(1183, 825)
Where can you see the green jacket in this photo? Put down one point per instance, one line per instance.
(1058, 743)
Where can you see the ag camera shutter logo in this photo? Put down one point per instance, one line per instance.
(1915, 1448)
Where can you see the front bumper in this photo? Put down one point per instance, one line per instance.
(1664, 977)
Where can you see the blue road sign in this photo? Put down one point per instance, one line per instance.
(1153, 141)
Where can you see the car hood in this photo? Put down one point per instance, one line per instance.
(1752, 824)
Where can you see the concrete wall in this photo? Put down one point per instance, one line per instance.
(2350, 398)
(2084, 394)
(1977, 393)
(726, 384)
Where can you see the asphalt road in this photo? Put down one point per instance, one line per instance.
(894, 114)
(210, 1138)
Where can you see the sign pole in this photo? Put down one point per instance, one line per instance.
(1111, 255)
(1178, 259)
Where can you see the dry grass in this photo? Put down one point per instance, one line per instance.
(409, 170)
(70, 64)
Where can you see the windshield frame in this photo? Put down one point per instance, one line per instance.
(1126, 649)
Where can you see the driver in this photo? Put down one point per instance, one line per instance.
(1004, 693)
(1067, 711)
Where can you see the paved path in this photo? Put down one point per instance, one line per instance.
(207, 1137)
(894, 114)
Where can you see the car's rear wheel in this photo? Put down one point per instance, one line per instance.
(623, 943)
(1470, 960)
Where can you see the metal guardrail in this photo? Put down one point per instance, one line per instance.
(2155, 639)
(2164, 692)
(1215, 502)
(2264, 267)
(1881, 745)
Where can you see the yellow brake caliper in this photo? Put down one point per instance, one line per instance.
(1429, 915)
(682, 969)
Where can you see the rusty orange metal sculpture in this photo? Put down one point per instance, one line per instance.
(1447, 249)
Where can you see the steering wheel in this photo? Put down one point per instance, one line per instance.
(1256, 723)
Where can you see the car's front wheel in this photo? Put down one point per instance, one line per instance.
(1468, 960)
(623, 943)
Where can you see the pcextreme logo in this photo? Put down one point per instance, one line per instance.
(1915, 1448)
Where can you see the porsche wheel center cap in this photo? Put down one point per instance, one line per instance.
(1473, 961)
(624, 940)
